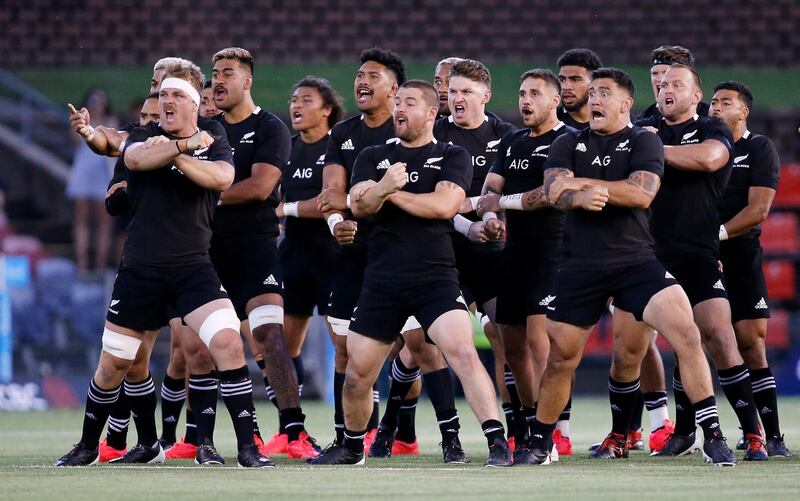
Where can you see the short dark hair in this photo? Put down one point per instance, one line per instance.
(542, 74)
(695, 75)
(619, 77)
(745, 94)
(237, 54)
(387, 58)
(328, 94)
(585, 58)
(473, 70)
(207, 85)
(428, 91)
(671, 54)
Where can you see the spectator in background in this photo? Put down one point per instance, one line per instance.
(5, 229)
(87, 187)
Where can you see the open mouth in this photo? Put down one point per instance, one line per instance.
(459, 110)
(669, 101)
(169, 116)
(400, 121)
(297, 117)
(219, 93)
(526, 113)
(363, 94)
(598, 115)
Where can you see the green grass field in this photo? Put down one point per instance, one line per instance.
(29, 442)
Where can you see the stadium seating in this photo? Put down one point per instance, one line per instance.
(781, 283)
(789, 188)
(779, 233)
(778, 330)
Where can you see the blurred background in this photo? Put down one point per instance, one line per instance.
(58, 252)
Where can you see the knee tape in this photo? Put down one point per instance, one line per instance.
(120, 345)
(340, 326)
(265, 314)
(221, 319)
(410, 325)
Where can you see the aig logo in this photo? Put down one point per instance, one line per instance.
(604, 161)
(302, 173)
(519, 163)
(412, 177)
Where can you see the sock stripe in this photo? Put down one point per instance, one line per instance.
(404, 376)
(741, 376)
(139, 389)
(101, 396)
(629, 388)
(443, 421)
(407, 407)
(703, 414)
(234, 391)
(655, 404)
(297, 423)
(764, 384)
(492, 430)
(354, 437)
(172, 395)
(376, 396)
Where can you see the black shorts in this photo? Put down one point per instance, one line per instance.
(143, 294)
(744, 279)
(701, 279)
(527, 284)
(348, 275)
(582, 295)
(384, 308)
(479, 268)
(307, 266)
(248, 267)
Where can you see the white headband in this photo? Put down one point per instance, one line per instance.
(177, 83)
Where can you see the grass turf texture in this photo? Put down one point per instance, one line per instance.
(272, 87)
(31, 441)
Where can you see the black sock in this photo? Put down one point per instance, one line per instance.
(270, 393)
(567, 412)
(141, 398)
(493, 430)
(508, 412)
(203, 397)
(518, 429)
(401, 381)
(375, 417)
(293, 421)
(530, 415)
(236, 389)
(301, 373)
(707, 417)
(191, 428)
(622, 397)
(738, 389)
(354, 440)
(542, 435)
(338, 409)
(439, 386)
(118, 422)
(638, 410)
(684, 410)
(99, 403)
(406, 428)
(765, 394)
(256, 429)
(173, 395)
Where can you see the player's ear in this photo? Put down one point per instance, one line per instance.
(487, 96)
(326, 111)
(393, 89)
(698, 95)
(745, 112)
(248, 82)
(627, 104)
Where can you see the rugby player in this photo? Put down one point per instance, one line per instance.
(575, 68)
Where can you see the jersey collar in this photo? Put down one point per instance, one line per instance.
(450, 118)
(746, 134)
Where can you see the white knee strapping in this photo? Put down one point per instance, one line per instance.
(340, 326)
(120, 345)
(410, 325)
(483, 319)
(265, 314)
(224, 318)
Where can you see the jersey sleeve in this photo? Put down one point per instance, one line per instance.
(118, 203)
(274, 143)
(333, 155)
(364, 168)
(562, 153)
(220, 149)
(645, 120)
(716, 129)
(647, 154)
(457, 168)
(137, 135)
(766, 165)
(499, 166)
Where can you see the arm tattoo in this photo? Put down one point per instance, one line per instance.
(646, 181)
(566, 201)
(551, 175)
(449, 184)
(534, 199)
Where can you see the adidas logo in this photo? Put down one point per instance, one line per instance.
(460, 299)
(761, 304)
(740, 404)
(348, 145)
(209, 410)
(765, 410)
(384, 164)
(91, 416)
(668, 275)
(546, 301)
(170, 419)
(222, 289)
(615, 407)
(537, 436)
(244, 413)
(714, 425)
(581, 147)
(719, 285)
(270, 281)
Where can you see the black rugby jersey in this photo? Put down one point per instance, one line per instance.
(482, 143)
(565, 117)
(521, 163)
(755, 163)
(260, 138)
(348, 138)
(405, 248)
(686, 208)
(652, 111)
(118, 204)
(615, 236)
(171, 215)
(302, 180)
